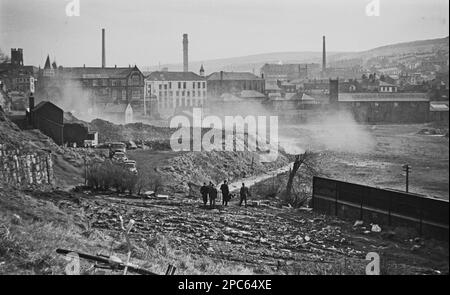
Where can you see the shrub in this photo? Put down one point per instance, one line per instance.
(108, 174)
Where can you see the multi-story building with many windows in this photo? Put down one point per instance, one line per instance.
(15, 76)
(175, 90)
(118, 85)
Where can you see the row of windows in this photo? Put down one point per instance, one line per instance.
(166, 103)
(183, 93)
(122, 94)
(135, 81)
(182, 85)
(376, 104)
(387, 88)
(24, 88)
(119, 94)
(22, 80)
(104, 82)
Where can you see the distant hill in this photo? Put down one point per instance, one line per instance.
(421, 46)
(253, 63)
(250, 63)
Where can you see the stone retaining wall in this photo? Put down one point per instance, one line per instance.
(21, 167)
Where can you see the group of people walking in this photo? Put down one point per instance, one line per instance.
(209, 192)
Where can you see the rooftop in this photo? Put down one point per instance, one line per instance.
(173, 76)
(97, 72)
(284, 67)
(233, 76)
(439, 106)
(382, 83)
(378, 97)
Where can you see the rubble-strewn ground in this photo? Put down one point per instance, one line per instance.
(233, 240)
(180, 168)
(137, 131)
(179, 231)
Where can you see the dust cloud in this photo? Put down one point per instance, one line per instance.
(324, 129)
(73, 98)
(332, 130)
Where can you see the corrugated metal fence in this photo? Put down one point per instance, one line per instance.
(430, 216)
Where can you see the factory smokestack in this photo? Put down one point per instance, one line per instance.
(103, 49)
(324, 56)
(185, 53)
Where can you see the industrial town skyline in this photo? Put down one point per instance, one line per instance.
(149, 32)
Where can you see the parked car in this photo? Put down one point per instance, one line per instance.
(119, 157)
(131, 166)
(131, 145)
(118, 146)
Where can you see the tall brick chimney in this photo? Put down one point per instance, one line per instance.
(103, 49)
(324, 56)
(185, 53)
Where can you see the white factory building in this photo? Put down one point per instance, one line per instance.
(175, 90)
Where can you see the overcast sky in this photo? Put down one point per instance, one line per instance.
(146, 32)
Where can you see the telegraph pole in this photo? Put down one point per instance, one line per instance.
(145, 96)
(407, 169)
(85, 167)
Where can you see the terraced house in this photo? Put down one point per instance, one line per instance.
(175, 90)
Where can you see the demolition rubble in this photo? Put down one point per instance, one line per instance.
(260, 238)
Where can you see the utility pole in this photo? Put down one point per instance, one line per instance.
(85, 167)
(145, 96)
(407, 169)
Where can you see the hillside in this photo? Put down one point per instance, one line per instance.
(253, 63)
(68, 164)
(421, 46)
(250, 63)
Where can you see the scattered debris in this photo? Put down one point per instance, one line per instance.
(358, 223)
(376, 228)
(16, 219)
(415, 248)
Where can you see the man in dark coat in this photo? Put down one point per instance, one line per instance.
(244, 193)
(204, 192)
(212, 195)
(225, 193)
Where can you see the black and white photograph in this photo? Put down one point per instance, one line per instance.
(245, 140)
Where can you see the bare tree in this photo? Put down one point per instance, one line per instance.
(308, 163)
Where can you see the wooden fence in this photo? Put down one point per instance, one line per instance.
(430, 216)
